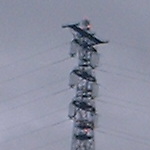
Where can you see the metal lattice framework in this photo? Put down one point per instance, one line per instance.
(82, 109)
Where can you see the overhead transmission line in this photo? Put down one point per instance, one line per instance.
(123, 75)
(125, 136)
(33, 100)
(33, 70)
(34, 55)
(34, 130)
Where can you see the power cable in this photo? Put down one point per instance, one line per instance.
(36, 130)
(124, 136)
(34, 89)
(124, 100)
(33, 55)
(126, 76)
(34, 70)
(122, 106)
(61, 91)
(31, 101)
(126, 69)
(49, 144)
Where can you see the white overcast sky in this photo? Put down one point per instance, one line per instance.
(35, 66)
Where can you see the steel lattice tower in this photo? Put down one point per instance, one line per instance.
(82, 109)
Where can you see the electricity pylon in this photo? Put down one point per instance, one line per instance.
(82, 108)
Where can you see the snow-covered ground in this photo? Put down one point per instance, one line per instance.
(35, 66)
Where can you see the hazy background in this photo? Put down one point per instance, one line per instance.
(35, 66)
